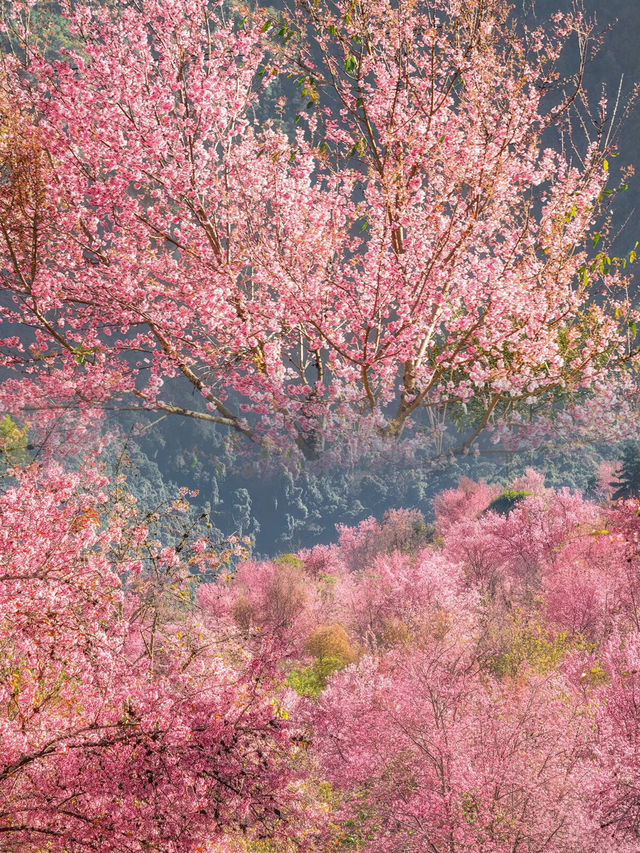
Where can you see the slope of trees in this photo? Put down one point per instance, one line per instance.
(472, 687)
(466, 685)
(412, 275)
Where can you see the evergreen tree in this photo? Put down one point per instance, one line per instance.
(628, 480)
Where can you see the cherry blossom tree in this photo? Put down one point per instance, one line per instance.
(617, 746)
(591, 582)
(126, 722)
(417, 246)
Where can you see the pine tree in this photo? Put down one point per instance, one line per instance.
(628, 480)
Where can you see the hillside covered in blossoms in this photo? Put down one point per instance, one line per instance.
(467, 685)
(319, 446)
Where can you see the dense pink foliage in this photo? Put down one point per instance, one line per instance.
(617, 745)
(439, 757)
(418, 246)
(472, 689)
(592, 581)
(430, 747)
(125, 723)
(413, 248)
(465, 503)
(487, 694)
(605, 478)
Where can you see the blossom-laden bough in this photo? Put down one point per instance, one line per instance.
(427, 241)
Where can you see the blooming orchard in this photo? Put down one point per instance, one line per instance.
(469, 685)
(427, 239)
(475, 691)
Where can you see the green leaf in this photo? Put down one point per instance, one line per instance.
(596, 239)
(633, 328)
(605, 165)
(350, 64)
(265, 26)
